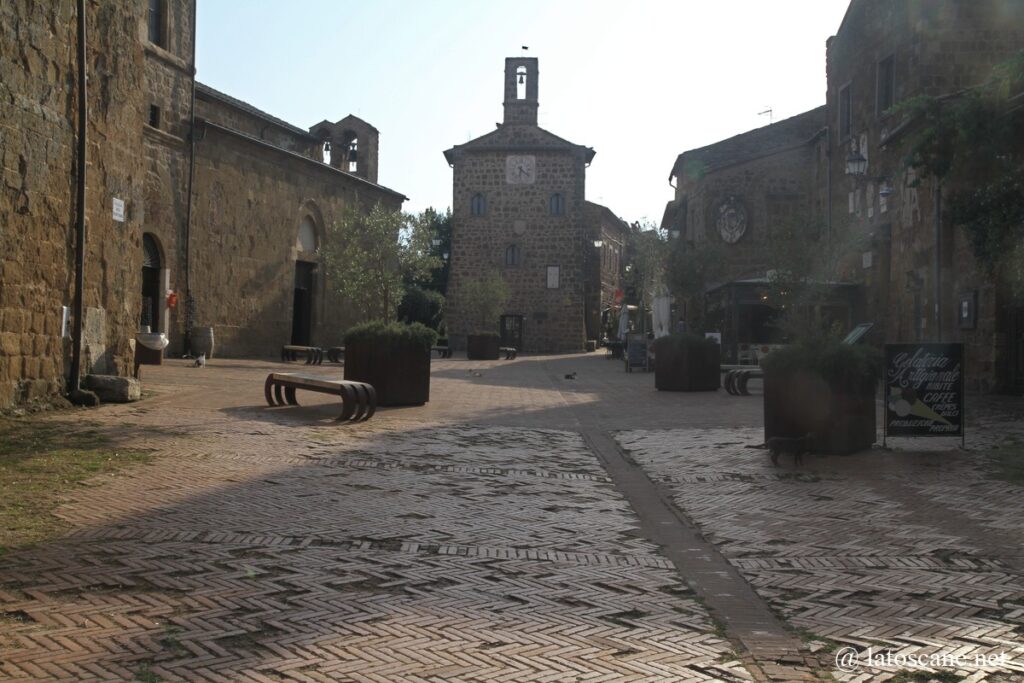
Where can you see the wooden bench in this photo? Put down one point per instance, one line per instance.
(358, 399)
(314, 355)
(336, 354)
(509, 351)
(443, 351)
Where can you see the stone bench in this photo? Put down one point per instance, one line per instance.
(358, 399)
(314, 355)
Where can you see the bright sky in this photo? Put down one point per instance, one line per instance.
(639, 81)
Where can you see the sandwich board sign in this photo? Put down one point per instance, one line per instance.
(924, 390)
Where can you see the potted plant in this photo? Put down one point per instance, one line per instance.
(482, 301)
(394, 358)
(823, 388)
(686, 362)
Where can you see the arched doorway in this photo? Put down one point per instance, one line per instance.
(303, 303)
(152, 285)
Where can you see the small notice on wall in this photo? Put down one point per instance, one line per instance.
(118, 210)
(924, 386)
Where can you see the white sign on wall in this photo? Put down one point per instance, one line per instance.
(118, 210)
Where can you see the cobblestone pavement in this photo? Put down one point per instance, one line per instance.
(479, 538)
(274, 545)
(905, 553)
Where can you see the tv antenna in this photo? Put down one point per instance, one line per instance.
(766, 111)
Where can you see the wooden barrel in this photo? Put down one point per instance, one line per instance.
(202, 341)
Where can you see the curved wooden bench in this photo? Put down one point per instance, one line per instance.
(314, 355)
(509, 351)
(358, 399)
(336, 354)
(443, 351)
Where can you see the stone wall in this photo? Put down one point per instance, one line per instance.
(249, 200)
(605, 263)
(768, 174)
(519, 215)
(38, 109)
(936, 48)
(169, 78)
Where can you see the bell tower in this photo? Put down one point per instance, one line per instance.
(521, 91)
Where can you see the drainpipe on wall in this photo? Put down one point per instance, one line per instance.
(74, 385)
(190, 307)
(938, 258)
(828, 185)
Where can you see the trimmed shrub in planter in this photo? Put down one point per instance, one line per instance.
(394, 358)
(686, 362)
(824, 388)
(483, 346)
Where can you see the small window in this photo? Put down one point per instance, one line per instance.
(557, 204)
(512, 255)
(886, 85)
(477, 205)
(552, 277)
(844, 112)
(156, 22)
(154, 116)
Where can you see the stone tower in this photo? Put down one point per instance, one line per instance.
(349, 145)
(518, 210)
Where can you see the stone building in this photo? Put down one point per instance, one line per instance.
(609, 235)
(518, 208)
(919, 270)
(917, 276)
(232, 215)
(38, 138)
(742, 194)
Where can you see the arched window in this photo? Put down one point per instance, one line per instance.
(306, 240)
(512, 255)
(350, 162)
(521, 83)
(477, 205)
(557, 204)
(153, 293)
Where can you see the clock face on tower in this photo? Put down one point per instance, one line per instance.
(520, 169)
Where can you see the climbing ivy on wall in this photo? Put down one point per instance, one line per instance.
(975, 139)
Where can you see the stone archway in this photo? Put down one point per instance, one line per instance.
(155, 276)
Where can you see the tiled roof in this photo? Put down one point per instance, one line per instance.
(753, 144)
(248, 108)
(518, 136)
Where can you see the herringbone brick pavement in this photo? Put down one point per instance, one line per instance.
(272, 545)
(902, 553)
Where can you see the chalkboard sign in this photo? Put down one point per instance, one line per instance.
(924, 389)
(636, 354)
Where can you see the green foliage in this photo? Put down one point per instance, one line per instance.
(422, 306)
(439, 228)
(646, 254)
(369, 256)
(690, 270)
(482, 301)
(829, 357)
(802, 280)
(391, 334)
(685, 340)
(977, 136)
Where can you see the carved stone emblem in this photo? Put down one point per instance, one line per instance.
(732, 220)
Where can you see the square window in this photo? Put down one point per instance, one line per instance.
(553, 277)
